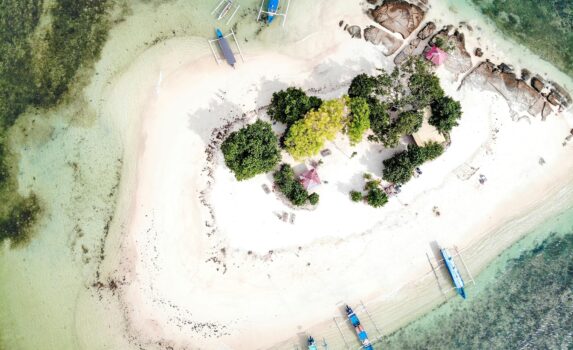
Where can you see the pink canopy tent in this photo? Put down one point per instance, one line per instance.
(309, 179)
(436, 55)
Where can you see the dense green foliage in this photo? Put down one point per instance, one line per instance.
(307, 136)
(38, 65)
(356, 196)
(379, 119)
(252, 150)
(526, 305)
(362, 86)
(376, 197)
(288, 184)
(546, 27)
(407, 123)
(288, 106)
(445, 114)
(425, 88)
(399, 169)
(313, 198)
(359, 119)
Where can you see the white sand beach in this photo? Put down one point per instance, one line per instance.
(206, 262)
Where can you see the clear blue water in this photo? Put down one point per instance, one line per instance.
(523, 300)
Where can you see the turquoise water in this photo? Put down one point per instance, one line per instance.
(523, 300)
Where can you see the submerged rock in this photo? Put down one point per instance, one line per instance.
(379, 37)
(355, 32)
(398, 16)
(428, 30)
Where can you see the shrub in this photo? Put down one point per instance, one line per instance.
(252, 150)
(362, 86)
(359, 119)
(376, 197)
(356, 196)
(288, 106)
(307, 136)
(313, 198)
(445, 114)
(289, 185)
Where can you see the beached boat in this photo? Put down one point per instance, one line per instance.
(454, 272)
(272, 9)
(226, 49)
(311, 343)
(226, 8)
(360, 332)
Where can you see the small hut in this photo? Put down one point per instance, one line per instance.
(436, 55)
(309, 179)
(427, 132)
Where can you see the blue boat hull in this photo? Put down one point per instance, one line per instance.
(272, 8)
(454, 272)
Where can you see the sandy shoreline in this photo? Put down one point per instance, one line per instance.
(175, 294)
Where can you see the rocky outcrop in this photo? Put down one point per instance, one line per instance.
(547, 110)
(478, 52)
(561, 95)
(355, 32)
(525, 74)
(537, 83)
(428, 30)
(519, 95)
(398, 16)
(459, 60)
(409, 50)
(389, 44)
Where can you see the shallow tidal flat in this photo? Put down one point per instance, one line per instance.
(61, 291)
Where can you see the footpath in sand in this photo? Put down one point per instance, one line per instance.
(205, 262)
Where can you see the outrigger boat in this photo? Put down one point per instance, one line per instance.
(272, 10)
(360, 332)
(226, 49)
(226, 8)
(454, 272)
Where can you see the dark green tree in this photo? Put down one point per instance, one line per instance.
(425, 88)
(362, 86)
(288, 106)
(288, 184)
(445, 114)
(252, 150)
(407, 123)
(379, 118)
(313, 198)
(399, 168)
(376, 197)
(356, 196)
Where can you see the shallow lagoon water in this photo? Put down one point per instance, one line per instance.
(72, 159)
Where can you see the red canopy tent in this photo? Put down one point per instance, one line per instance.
(436, 55)
(309, 179)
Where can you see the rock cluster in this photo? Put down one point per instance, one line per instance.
(387, 41)
(416, 45)
(521, 97)
(355, 31)
(398, 16)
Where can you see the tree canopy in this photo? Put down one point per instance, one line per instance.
(307, 136)
(288, 184)
(379, 118)
(359, 119)
(445, 114)
(376, 197)
(362, 86)
(399, 168)
(288, 106)
(252, 150)
(407, 123)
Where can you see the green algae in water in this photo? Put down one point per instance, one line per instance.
(523, 302)
(545, 26)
